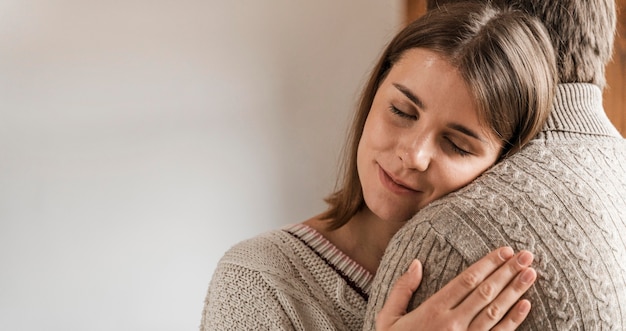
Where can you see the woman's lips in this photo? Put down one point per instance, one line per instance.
(393, 185)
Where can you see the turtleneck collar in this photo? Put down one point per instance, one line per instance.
(577, 109)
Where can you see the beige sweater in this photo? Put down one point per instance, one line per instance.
(289, 279)
(563, 197)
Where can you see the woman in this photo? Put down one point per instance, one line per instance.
(453, 93)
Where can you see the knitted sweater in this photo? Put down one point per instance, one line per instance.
(289, 279)
(563, 197)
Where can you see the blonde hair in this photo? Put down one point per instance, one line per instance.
(503, 55)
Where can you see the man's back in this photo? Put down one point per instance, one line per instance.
(563, 197)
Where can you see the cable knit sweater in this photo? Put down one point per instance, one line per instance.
(563, 197)
(289, 279)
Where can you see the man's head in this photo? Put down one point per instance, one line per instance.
(582, 33)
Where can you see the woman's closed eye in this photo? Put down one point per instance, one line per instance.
(456, 149)
(395, 110)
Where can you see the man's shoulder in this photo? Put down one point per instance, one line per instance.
(534, 194)
(546, 168)
(563, 203)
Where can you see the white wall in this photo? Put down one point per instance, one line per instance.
(140, 139)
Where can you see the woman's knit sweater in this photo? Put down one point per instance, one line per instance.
(289, 279)
(563, 197)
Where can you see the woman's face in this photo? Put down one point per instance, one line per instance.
(422, 138)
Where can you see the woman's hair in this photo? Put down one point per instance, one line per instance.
(505, 58)
(582, 33)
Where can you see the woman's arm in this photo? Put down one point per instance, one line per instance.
(240, 299)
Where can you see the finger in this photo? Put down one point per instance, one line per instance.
(495, 311)
(491, 287)
(399, 296)
(515, 317)
(462, 285)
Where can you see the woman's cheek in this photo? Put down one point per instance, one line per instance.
(380, 133)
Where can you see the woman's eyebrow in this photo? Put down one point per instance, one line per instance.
(410, 95)
(466, 131)
(454, 126)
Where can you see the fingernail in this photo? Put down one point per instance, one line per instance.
(505, 253)
(525, 259)
(524, 307)
(527, 276)
(414, 265)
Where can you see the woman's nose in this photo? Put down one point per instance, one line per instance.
(417, 154)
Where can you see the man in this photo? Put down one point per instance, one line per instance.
(563, 197)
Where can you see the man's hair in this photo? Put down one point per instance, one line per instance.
(582, 33)
(504, 56)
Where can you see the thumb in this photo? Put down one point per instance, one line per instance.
(399, 296)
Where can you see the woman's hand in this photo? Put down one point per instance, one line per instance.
(479, 298)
